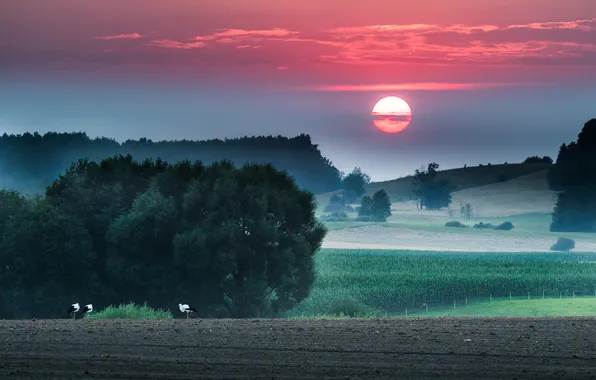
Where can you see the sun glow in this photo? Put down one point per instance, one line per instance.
(392, 114)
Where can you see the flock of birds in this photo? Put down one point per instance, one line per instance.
(75, 307)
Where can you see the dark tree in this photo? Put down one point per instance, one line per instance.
(381, 206)
(538, 160)
(574, 176)
(336, 204)
(48, 262)
(432, 194)
(240, 242)
(365, 206)
(353, 185)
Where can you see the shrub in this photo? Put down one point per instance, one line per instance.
(506, 226)
(456, 224)
(340, 216)
(563, 244)
(131, 311)
(538, 160)
(364, 218)
(350, 308)
(484, 225)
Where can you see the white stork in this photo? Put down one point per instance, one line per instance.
(87, 309)
(186, 308)
(73, 309)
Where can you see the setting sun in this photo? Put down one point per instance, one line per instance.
(393, 114)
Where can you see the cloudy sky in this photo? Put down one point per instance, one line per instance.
(487, 81)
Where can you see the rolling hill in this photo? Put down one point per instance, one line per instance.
(400, 189)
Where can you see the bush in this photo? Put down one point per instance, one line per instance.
(538, 160)
(563, 244)
(506, 226)
(340, 216)
(350, 308)
(484, 225)
(456, 224)
(364, 218)
(131, 311)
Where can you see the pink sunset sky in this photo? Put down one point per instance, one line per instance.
(325, 44)
(487, 80)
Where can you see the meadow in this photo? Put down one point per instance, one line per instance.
(366, 283)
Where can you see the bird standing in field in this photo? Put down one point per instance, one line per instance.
(87, 309)
(73, 309)
(186, 308)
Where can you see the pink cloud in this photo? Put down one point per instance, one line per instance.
(171, 44)
(535, 44)
(227, 35)
(129, 36)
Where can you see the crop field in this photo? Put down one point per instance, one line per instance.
(423, 231)
(386, 282)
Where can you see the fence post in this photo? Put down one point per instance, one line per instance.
(560, 295)
(427, 308)
(491, 298)
(574, 294)
(542, 293)
(406, 311)
(466, 300)
(528, 295)
(510, 296)
(454, 304)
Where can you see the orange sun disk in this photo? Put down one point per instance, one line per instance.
(392, 114)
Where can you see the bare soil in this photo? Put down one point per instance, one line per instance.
(496, 348)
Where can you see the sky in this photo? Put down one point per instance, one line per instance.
(487, 81)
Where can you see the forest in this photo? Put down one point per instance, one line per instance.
(238, 241)
(29, 162)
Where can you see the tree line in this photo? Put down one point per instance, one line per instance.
(574, 176)
(234, 241)
(29, 162)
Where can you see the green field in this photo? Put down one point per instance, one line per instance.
(522, 307)
(526, 225)
(386, 282)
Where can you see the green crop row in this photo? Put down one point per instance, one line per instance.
(369, 282)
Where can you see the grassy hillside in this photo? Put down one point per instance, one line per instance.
(400, 189)
(526, 194)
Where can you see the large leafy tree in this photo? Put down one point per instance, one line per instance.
(432, 194)
(252, 237)
(353, 185)
(381, 206)
(48, 262)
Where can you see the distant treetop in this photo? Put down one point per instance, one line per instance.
(31, 161)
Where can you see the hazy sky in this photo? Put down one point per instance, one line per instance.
(487, 81)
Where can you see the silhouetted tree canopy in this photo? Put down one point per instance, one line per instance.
(538, 160)
(381, 206)
(353, 185)
(233, 241)
(574, 175)
(431, 194)
(32, 161)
